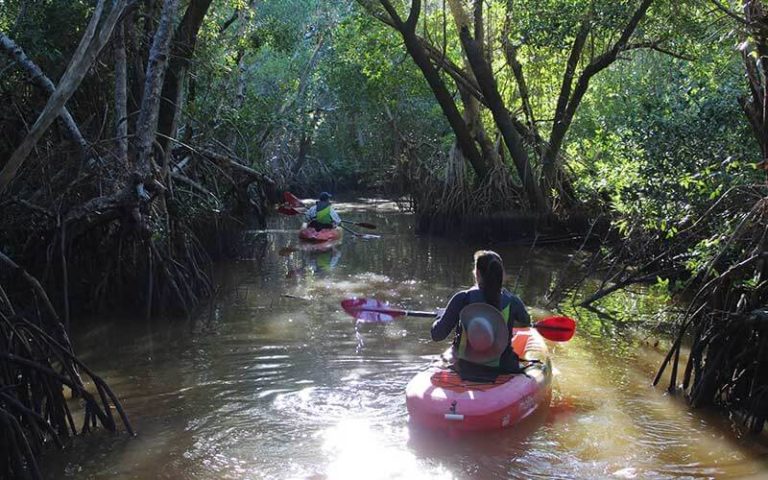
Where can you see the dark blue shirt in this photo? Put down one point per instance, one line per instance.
(449, 320)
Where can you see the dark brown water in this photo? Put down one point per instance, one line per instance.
(267, 386)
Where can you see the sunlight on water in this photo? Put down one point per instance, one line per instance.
(357, 451)
(359, 338)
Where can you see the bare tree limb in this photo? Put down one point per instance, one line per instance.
(42, 81)
(82, 59)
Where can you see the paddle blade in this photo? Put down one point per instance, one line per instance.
(292, 200)
(366, 225)
(287, 210)
(369, 310)
(556, 329)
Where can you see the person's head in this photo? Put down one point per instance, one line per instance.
(489, 273)
(324, 197)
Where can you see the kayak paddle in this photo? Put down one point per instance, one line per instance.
(292, 210)
(292, 200)
(359, 235)
(370, 310)
(288, 210)
(361, 224)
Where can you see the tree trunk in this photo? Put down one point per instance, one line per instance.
(502, 118)
(455, 169)
(472, 104)
(510, 54)
(475, 126)
(150, 102)
(136, 63)
(242, 17)
(121, 96)
(442, 95)
(560, 125)
(184, 42)
(756, 105)
(239, 97)
(305, 140)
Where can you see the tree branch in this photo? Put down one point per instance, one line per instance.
(510, 54)
(570, 68)
(393, 15)
(603, 61)
(41, 80)
(656, 46)
(82, 59)
(458, 74)
(413, 15)
(730, 13)
(230, 21)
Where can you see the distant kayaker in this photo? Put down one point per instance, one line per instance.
(322, 215)
(483, 317)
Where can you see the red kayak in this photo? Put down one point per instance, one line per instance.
(309, 234)
(439, 399)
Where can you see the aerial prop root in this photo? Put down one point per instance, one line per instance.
(728, 356)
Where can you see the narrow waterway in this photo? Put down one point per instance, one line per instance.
(275, 381)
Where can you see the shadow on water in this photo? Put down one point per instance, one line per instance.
(273, 380)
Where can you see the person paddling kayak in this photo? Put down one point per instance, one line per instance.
(483, 317)
(322, 215)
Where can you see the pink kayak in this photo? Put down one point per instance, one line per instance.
(309, 234)
(439, 399)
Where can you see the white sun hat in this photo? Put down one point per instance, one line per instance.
(486, 332)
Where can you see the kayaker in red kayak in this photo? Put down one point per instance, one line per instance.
(482, 346)
(322, 215)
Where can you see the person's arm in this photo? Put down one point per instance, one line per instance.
(518, 313)
(310, 214)
(335, 216)
(445, 323)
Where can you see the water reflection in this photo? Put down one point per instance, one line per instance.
(316, 262)
(273, 380)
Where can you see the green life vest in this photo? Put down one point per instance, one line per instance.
(324, 216)
(324, 261)
(461, 353)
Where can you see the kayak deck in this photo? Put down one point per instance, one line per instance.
(309, 234)
(438, 398)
